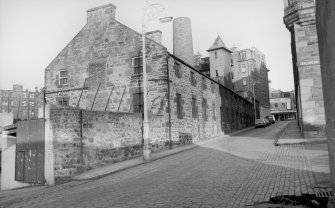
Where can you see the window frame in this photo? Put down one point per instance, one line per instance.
(179, 106)
(138, 69)
(62, 78)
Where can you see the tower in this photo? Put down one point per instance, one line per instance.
(220, 62)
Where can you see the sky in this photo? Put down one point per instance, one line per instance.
(33, 32)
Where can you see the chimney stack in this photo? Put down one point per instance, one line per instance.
(101, 14)
(182, 39)
(155, 35)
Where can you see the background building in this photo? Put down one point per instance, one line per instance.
(300, 21)
(283, 105)
(23, 104)
(251, 77)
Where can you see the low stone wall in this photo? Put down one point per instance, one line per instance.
(85, 139)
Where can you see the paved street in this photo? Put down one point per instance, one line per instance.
(232, 171)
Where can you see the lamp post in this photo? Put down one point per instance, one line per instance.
(150, 13)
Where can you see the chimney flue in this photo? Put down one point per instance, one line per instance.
(182, 39)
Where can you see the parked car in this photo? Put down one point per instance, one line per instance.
(271, 119)
(267, 121)
(260, 123)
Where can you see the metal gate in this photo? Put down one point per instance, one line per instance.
(29, 161)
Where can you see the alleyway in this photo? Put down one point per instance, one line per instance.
(232, 171)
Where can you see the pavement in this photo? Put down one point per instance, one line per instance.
(114, 168)
(228, 171)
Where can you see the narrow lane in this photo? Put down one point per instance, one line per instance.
(207, 176)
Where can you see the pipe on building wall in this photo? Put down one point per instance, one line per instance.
(169, 100)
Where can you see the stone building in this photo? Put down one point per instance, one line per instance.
(283, 105)
(100, 70)
(251, 77)
(23, 104)
(325, 21)
(299, 19)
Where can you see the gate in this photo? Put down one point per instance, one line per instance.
(29, 161)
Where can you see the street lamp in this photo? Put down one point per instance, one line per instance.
(150, 13)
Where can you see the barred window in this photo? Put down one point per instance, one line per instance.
(138, 65)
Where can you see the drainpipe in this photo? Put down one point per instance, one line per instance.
(169, 102)
(81, 138)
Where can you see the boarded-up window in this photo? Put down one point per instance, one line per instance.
(177, 69)
(96, 74)
(63, 101)
(204, 109)
(138, 102)
(194, 107)
(179, 106)
(244, 81)
(138, 65)
(204, 84)
(214, 118)
(192, 78)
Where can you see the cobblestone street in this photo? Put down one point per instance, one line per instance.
(234, 171)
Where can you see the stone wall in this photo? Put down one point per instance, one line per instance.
(88, 139)
(219, 110)
(99, 63)
(300, 21)
(325, 21)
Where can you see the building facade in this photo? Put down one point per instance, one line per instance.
(283, 105)
(101, 70)
(300, 21)
(251, 77)
(23, 104)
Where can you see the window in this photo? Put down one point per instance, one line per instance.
(96, 74)
(31, 112)
(214, 118)
(138, 65)
(243, 68)
(31, 103)
(204, 85)
(24, 112)
(176, 68)
(63, 78)
(244, 81)
(24, 95)
(283, 105)
(179, 106)
(138, 102)
(63, 101)
(204, 109)
(216, 73)
(193, 79)
(194, 107)
(24, 103)
(12, 103)
(276, 105)
(212, 87)
(215, 54)
(4, 94)
(32, 95)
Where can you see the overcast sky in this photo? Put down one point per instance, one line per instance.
(33, 32)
